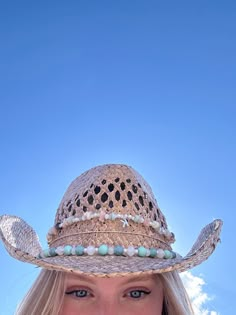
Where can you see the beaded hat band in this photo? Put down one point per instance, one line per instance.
(108, 223)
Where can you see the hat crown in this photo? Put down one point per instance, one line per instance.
(110, 188)
(109, 213)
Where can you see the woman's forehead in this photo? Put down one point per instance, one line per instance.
(118, 280)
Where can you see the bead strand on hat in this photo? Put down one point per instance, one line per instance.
(124, 218)
(103, 250)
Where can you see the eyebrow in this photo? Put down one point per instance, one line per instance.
(139, 278)
(81, 277)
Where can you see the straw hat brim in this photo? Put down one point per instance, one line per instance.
(22, 243)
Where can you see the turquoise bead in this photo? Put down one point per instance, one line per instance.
(168, 254)
(173, 254)
(103, 250)
(79, 250)
(67, 250)
(142, 251)
(46, 253)
(39, 256)
(153, 252)
(118, 250)
(52, 252)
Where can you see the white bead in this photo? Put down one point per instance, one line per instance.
(161, 230)
(160, 253)
(106, 216)
(130, 251)
(141, 220)
(85, 216)
(155, 225)
(60, 250)
(167, 234)
(73, 250)
(52, 231)
(110, 250)
(89, 215)
(91, 250)
(70, 220)
(147, 252)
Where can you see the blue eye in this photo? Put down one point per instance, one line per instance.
(137, 294)
(78, 293)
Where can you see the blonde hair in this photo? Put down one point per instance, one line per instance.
(176, 300)
(46, 295)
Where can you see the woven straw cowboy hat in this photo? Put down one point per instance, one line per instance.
(108, 223)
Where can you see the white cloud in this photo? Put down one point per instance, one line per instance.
(194, 286)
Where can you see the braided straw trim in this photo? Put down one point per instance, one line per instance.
(97, 238)
(95, 232)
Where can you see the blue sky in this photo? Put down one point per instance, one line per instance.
(146, 83)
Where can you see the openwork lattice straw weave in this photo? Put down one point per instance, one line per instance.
(106, 190)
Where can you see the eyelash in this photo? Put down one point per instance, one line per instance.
(76, 293)
(82, 293)
(142, 293)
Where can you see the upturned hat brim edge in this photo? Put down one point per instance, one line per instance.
(22, 243)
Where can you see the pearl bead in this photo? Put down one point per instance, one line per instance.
(60, 250)
(73, 250)
(110, 250)
(52, 231)
(70, 220)
(160, 253)
(102, 216)
(91, 250)
(130, 251)
(113, 216)
(155, 225)
(167, 234)
(89, 215)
